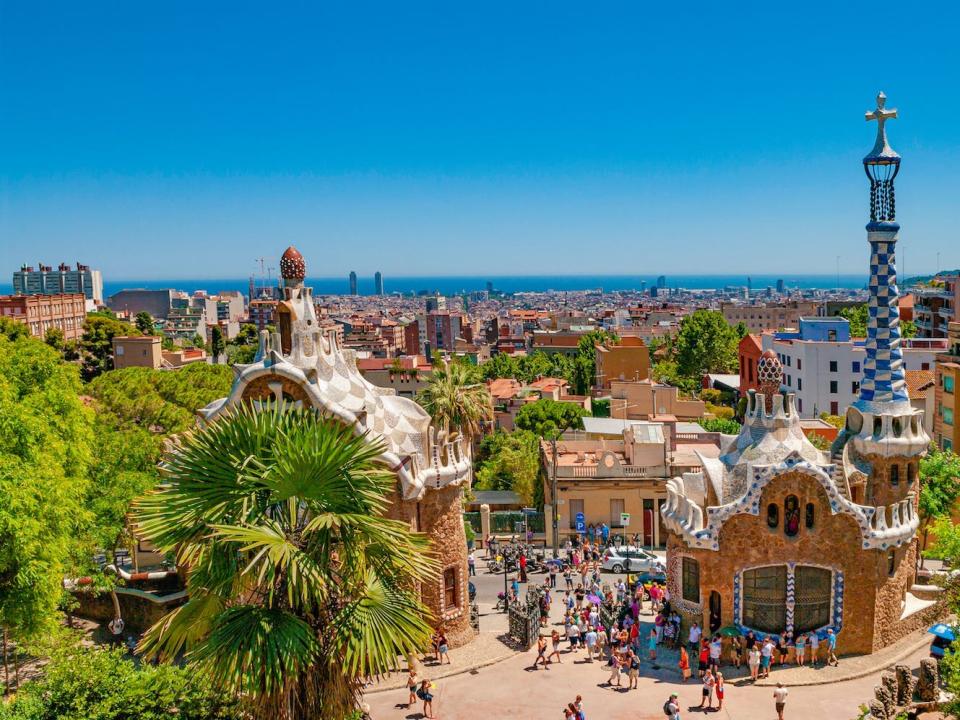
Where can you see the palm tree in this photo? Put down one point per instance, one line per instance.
(298, 587)
(457, 399)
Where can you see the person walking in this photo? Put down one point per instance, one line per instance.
(684, 664)
(555, 641)
(633, 672)
(814, 649)
(412, 688)
(590, 639)
(832, 648)
(573, 634)
(523, 567)
(541, 653)
(671, 708)
(703, 659)
(652, 643)
(716, 648)
(614, 668)
(766, 657)
(568, 576)
(443, 649)
(553, 575)
(707, 692)
(471, 564)
(424, 694)
(780, 699)
(719, 690)
(753, 662)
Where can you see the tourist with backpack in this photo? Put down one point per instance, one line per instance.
(671, 708)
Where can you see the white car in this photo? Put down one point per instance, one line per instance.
(628, 559)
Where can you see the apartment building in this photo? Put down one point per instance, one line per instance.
(627, 359)
(772, 316)
(66, 312)
(934, 308)
(946, 420)
(823, 365)
(44, 280)
(645, 400)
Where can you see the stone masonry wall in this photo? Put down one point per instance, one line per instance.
(441, 517)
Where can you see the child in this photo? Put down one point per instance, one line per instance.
(719, 690)
(424, 694)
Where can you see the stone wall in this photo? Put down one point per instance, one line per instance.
(138, 613)
(441, 516)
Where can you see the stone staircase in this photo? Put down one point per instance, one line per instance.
(839, 480)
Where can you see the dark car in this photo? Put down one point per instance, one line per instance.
(472, 590)
(646, 578)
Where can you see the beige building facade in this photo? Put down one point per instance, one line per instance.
(646, 399)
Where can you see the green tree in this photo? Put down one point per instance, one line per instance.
(44, 457)
(144, 323)
(939, 489)
(511, 461)
(548, 418)
(217, 345)
(857, 316)
(584, 370)
(81, 683)
(96, 343)
(54, 338)
(197, 341)
(243, 348)
(457, 399)
(908, 329)
(13, 330)
(299, 587)
(705, 343)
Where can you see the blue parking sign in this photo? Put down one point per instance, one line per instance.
(581, 523)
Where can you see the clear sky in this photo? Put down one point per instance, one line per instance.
(185, 139)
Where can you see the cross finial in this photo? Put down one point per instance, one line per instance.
(881, 148)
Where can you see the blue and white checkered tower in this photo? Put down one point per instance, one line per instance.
(883, 416)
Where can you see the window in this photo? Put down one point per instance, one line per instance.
(925, 366)
(810, 515)
(833, 387)
(799, 383)
(616, 507)
(834, 407)
(765, 598)
(450, 594)
(691, 580)
(894, 474)
(773, 515)
(799, 363)
(789, 360)
(855, 387)
(948, 383)
(891, 562)
(948, 416)
(811, 609)
(833, 366)
(791, 515)
(856, 366)
(576, 506)
(911, 473)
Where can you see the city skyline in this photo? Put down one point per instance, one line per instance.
(345, 136)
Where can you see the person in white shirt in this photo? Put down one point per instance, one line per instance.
(780, 699)
(591, 641)
(693, 639)
(814, 648)
(673, 706)
(766, 656)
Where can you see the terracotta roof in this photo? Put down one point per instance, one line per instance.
(919, 380)
(503, 388)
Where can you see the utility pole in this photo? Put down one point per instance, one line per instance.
(554, 511)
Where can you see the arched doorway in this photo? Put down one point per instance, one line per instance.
(715, 608)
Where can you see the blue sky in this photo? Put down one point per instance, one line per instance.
(185, 139)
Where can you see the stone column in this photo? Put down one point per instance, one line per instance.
(441, 517)
(548, 526)
(484, 523)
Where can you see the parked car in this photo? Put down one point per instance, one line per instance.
(628, 559)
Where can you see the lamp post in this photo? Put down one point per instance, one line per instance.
(554, 511)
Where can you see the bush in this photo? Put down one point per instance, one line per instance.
(721, 425)
(720, 411)
(96, 684)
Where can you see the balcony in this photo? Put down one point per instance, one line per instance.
(946, 313)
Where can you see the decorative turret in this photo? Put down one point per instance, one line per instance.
(769, 377)
(292, 265)
(882, 419)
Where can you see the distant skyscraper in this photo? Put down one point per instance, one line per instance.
(643, 286)
(378, 282)
(489, 286)
(353, 283)
(780, 286)
(653, 291)
(63, 280)
(662, 282)
(436, 302)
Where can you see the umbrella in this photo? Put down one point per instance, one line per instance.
(730, 631)
(943, 631)
(595, 599)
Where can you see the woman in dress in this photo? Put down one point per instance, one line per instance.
(753, 661)
(718, 688)
(684, 664)
(652, 643)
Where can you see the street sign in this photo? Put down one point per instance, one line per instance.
(581, 526)
(580, 518)
(529, 511)
(625, 519)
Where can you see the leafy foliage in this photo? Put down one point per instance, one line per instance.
(94, 684)
(836, 420)
(527, 368)
(510, 461)
(457, 399)
(548, 418)
(727, 426)
(243, 347)
(857, 316)
(144, 323)
(217, 344)
(96, 342)
(299, 587)
(705, 343)
(939, 488)
(45, 453)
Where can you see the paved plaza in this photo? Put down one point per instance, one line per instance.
(501, 684)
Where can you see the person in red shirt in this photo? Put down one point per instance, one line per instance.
(523, 568)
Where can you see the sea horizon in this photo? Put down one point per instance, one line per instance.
(456, 284)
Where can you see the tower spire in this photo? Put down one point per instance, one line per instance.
(884, 379)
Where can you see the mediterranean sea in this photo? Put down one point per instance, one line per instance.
(454, 284)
